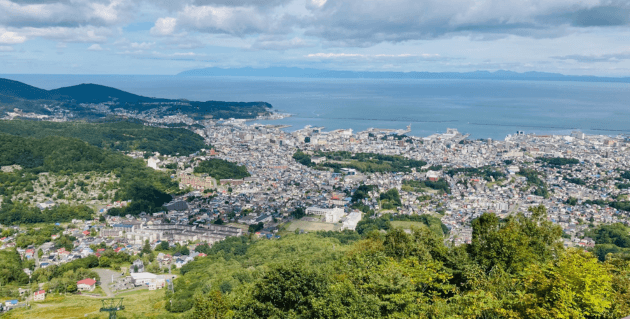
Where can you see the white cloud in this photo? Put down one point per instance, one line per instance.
(372, 56)
(334, 55)
(4, 48)
(280, 44)
(95, 47)
(71, 13)
(142, 46)
(164, 26)
(67, 34)
(9, 37)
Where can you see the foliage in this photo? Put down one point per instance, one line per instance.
(558, 161)
(419, 186)
(345, 236)
(67, 156)
(298, 213)
(11, 268)
(222, 169)
(256, 227)
(577, 181)
(119, 136)
(364, 162)
(362, 192)
(532, 177)
(515, 242)
(390, 199)
(303, 158)
(616, 234)
(515, 268)
(486, 172)
(17, 213)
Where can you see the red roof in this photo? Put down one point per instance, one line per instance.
(87, 281)
(40, 292)
(86, 232)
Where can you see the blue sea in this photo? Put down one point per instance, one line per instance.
(482, 108)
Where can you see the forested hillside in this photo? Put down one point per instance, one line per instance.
(222, 169)
(514, 268)
(147, 188)
(14, 94)
(120, 136)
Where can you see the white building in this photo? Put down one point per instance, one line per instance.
(331, 215)
(153, 161)
(351, 221)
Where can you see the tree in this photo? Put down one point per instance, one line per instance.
(574, 286)
(256, 227)
(104, 262)
(516, 242)
(211, 306)
(146, 249)
(164, 245)
(298, 213)
(71, 287)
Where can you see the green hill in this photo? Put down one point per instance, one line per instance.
(513, 268)
(148, 189)
(120, 136)
(20, 95)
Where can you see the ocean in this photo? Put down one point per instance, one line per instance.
(482, 108)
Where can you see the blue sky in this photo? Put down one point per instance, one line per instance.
(166, 37)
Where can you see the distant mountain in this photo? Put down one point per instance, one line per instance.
(94, 93)
(10, 88)
(319, 73)
(26, 97)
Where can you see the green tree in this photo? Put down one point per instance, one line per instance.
(574, 286)
(211, 306)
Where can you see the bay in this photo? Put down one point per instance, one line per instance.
(482, 108)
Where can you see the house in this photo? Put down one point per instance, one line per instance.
(433, 176)
(39, 295)
(137, 266)
(86, 284)
(11, 303)
(143, 278)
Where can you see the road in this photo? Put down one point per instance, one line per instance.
(106, 279)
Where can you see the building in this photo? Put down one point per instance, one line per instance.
(11, 303)
(153, 161)
(39, 295)
(351, 221)
(148, 279)
(331, 215)
(137, 266)
(433, 176)
(178, 205)
(88, 284)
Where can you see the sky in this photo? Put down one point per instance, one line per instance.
(581, 37)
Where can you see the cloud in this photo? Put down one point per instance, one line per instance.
(164, 26)
(95, 47)
(67, 34)
(611, 57)
(142, 46)
(361, 24)
(10, 37)
(408, 56)
(241, 3)
(68, 13)
(4, 48)
(280, 43)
